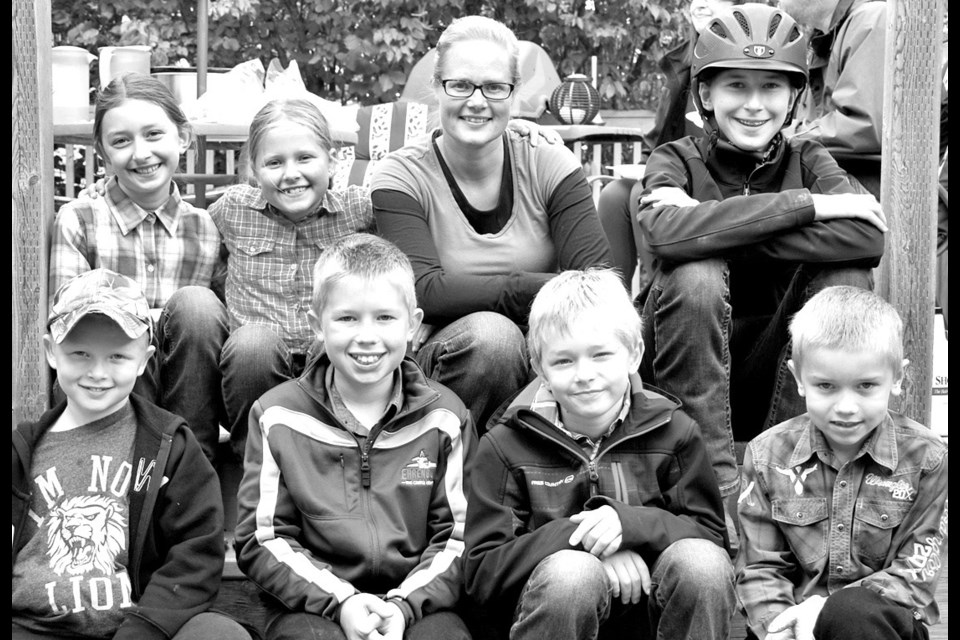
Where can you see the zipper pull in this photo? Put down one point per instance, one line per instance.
(746, 188)
(365, 469)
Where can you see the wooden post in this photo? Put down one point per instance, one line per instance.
(911, 110)
(203, 39)
(32, 156)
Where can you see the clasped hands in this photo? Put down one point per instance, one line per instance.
(600, 533)
(364, 616)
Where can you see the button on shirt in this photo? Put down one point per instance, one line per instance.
(271, 259)
(164, 250)
(811, 525)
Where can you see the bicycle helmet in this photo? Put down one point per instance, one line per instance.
(751, 36)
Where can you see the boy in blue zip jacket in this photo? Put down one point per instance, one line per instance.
(593, 507)
(352, 505)
(744, 225)
(844, 512)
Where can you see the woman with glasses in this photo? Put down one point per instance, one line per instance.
(485, 217)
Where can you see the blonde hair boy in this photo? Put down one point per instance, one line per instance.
(619, 504)
(844, 508)
(364, 421)
(569, 295)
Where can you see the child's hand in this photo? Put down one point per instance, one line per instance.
(364, 616)
(535, 132)
(797, 622)
(668, 197)
(627, 575)
(849, 205)
(600, 531)
(94, 190)
(420, 336)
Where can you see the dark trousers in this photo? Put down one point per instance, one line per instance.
(856, 613)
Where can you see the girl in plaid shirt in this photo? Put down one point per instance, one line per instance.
(142, 229)
(274, 229)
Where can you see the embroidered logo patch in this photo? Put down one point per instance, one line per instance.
(419, 471)
(552, 483)
(899, 490)
(797, 476)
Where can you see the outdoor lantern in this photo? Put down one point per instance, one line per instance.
(575, 101)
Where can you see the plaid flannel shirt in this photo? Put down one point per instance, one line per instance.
(271, 259)
(811, 526)
(164, 250)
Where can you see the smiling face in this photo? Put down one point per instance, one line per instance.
(847, 393)
(97, 366)
(292, 169)
(475, 121)
(365, 326)
(749, 105)
(142, 146)
(588, 371)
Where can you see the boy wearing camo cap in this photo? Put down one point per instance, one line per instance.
(117, 517)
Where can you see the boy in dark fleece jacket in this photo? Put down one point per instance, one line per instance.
(744, 225)
(117, 514)
(593, 507)
(352, 504)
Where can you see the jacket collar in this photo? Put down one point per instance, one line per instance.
(881, 445)
(417, 392)
(649, 407)
(733, 166)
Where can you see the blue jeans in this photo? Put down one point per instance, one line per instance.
(183, 377)
(202, 626)
(856, 613)
(254, 360)
(689, 326)
(283, 624)
(482, 357)
(567, 598)
(617, 211)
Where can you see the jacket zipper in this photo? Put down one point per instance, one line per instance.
(592, 472)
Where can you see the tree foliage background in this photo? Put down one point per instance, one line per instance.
(362, 50)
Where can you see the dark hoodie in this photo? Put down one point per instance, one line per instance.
(176, 520)
(529, 477)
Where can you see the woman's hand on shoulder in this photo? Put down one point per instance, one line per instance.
(533, 131)
(94, 190)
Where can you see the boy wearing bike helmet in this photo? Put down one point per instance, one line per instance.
(744, 225)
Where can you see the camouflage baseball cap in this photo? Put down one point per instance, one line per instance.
(100, 291)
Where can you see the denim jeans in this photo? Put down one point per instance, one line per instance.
(567, 598)
(254, 360)
(283, 624)
(183, 377)
(689, 323)
(620, 224)
(482, 357)
(202, 626)
(857, 613)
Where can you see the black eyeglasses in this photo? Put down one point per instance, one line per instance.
(465, 89)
